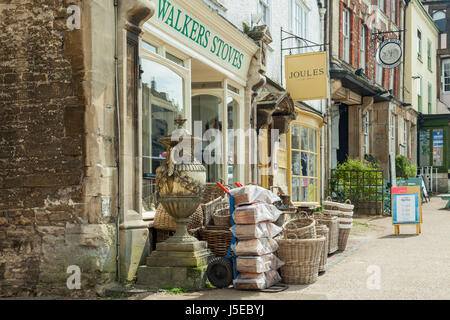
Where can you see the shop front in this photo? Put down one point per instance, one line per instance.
(195, 64)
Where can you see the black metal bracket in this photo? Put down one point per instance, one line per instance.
(309, 44)
(376, 35)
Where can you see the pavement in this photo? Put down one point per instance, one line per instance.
(376, 265)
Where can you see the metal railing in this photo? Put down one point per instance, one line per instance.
(430, 177)
(363, 187)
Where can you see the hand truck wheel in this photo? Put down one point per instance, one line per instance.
(220, 272)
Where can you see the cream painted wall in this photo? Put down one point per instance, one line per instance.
(416, 19)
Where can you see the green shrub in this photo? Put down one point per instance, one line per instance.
(403, 168)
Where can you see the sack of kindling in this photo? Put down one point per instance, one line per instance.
(259, 282)
(252, 193)
(255, 231)
(256, 213)
(255, 247)
(258, 264)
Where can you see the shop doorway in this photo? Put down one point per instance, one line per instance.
(342, 152)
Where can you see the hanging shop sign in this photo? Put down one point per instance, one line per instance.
(306, 76)
(389, 53)
(406, 207)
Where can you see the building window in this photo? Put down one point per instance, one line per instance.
(381, 4)
(430, 98)
(419, 94)
(300, 19)
(446, 76)
(366, 132)
(419, 45)
(304, 171)
(429, 55)
(346, 35)
(391, 80)
(393, 10)
(440, 19)
(362, 50)
(393, 134)
(264, 7)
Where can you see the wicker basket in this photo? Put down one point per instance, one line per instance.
(343, 238)
(164, 221)
(303, 228)
(301, 258)
(322, 230)
(347, 206)
(328, 204)
(218, 240)
(222, 217)
(213, 206)
(333, 231)
(212, 192)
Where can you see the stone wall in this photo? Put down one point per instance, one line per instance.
(44, 223)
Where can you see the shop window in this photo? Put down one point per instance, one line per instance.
(424, 148)
(446, 76)
(207, 115)
(304, 164)
(149, 47)
(175, 59)
(206, 85)
(162, 102)
(233, 89)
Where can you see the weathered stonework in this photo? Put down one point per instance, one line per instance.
(56, 197)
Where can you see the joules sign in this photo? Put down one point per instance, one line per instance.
(306, 76)
(192, 29)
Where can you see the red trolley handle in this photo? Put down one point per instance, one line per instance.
(222, 187)
(238, 184)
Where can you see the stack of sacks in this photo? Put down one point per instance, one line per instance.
(254, 230)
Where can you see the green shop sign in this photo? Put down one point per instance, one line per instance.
(196, 32)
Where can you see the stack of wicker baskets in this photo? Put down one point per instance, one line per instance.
(216, 230)
(345, 223)
(322, 230)
(165, 225)
(300, 247)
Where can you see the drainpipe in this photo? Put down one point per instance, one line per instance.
(323, 105)
(119, 147)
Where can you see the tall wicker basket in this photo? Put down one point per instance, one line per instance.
(333, 231)
(302, 228)
(218, 239)
(322, 230)
(301, 258)
(343, 238)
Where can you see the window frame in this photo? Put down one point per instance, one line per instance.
(300, 25)
(429, 58)
(430, 97)
(444, 63)
(267, 13)
(366, 126)
(419, 44)
(420, 94)
(317, 154)
(362, 47)
(346, 15)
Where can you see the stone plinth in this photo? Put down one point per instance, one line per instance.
(193, 278)
(176, 265)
